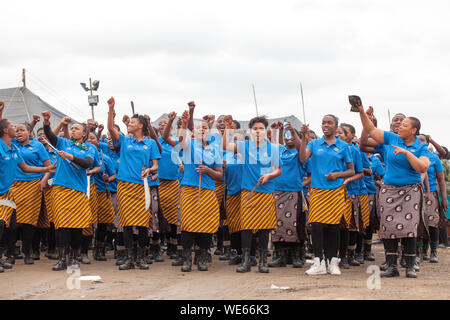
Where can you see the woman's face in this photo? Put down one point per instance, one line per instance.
(92, 139)
(396, 123)
(10, 130)
(41, 136)
(201, 131)
(406, 129)
(342, 133)
(161, 126)
(77, 131)
(110, 144)
(22, 133)
(258, 132)
(328, 126)
(134, 125)
(220, 125)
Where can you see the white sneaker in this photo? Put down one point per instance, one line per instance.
(333, 266)
(318, 267)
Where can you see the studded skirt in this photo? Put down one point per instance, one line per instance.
(401, 210)
(287, 204)
(431, 210)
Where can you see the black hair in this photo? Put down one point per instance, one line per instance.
(336, 119)
(117, 127)
(27, 125)
(238, 125)
(311, 131)
(260, 119)
(426, 138)
(447, 154)
(352, 128)
(4, 124)
(415, 124)
(398, 114)
(40, 129)
(156, 130)
(142, 120)
(343, 129)
(95, 134)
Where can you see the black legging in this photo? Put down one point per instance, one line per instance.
(203, 240)
(27, 238)
(409, 246)
(51, 241)
(66, 237)
(100, 233)
(246, 239)
(10, 235)
(236, 242)
(128, 237)
(325, 237)
(344, 236)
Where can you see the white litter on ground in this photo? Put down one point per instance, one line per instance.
(279, 288)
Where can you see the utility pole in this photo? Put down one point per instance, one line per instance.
(92, 99)
(24, 80)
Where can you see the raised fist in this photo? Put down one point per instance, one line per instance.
(172, 116)
(111, 103)
(46, 115)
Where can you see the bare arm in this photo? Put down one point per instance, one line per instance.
(29, 169)
(355, 177)
(152, 132)
(420, 164)
(226, 144)
(166, 134)
(115, 135)
(438, 147)
(191, 115)
(304, 153)
(345, 174)
(375, 133)
(443, 189)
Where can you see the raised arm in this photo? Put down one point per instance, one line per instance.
(115, 135)
(166, 133)
(375, 133)
(2, 106)
(442, 188)
(152, 131)
(64, 124)
(36, 119)
(226, 144)
(51, 136)
(295, 137)
(182, 139)
(191, 106)
(438, 147)
(304, 153)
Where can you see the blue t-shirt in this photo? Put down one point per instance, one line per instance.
(10, 158)
(292, 171)
(66, 175)
(168, 165)
(435, 166)
(106, 166)
(133, 155)
(326, 159)
(233, 173)
(96, 162)
(53, 156)
(105, 148)
(34, 154)
(115, 160)
(399, 171)
(193, 155)
(366, 165)
(258, 161)
(378, 169)
(354, 187)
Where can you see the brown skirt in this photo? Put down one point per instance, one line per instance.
(131, 205)
(6, 212)
(71, 208)
(168, 193)
(234, 213)
(195, 217)
(431, 210)
(401, 210)
(28, 199)
(287, 207)
(327, 206)
(259, 212)
(160, 223)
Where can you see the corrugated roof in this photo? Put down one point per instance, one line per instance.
(21, 104)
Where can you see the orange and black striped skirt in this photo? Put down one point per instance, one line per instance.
(131, 205)
(48, 200)
(105, 208)
(364, 210)
(348, 221)
(6, 212)
(259, 212)
(234, 213)
(43, 221)
(327, 205)
(221, 188)
(195, 217)
(28, 199)
(71, 208)
(168, 199)
(93, 201)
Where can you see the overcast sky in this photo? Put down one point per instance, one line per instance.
(162, 54)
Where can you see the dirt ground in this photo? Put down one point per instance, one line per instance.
(163, 281)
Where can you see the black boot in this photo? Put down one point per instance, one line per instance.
(3, 263)
(226, 254)
(297, 261)
(351, 258)
(235, 258)
(263, 267)
(128, 262)
(410, 270)
(157, 253)
(280, 261)
(187, 263)
(392, 270)
(148, 256)
(245, 264)
(196, 255)
(99, 254)
(403, 260)
(120, 255)
(73, 260)
(84, 259)
(384, 265)
(359, 257)
(425, 256)
(62, 259)
(17, 253)
(368, 255)
(202, 260)
(434, 255)
(343, 264)
(179, 260)
(140, 262)
(36, 255)
(28, 259)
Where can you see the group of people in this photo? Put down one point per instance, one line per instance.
(189, 183)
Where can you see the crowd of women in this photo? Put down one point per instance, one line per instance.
(184, 184)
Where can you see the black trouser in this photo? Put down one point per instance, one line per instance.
(434, 237)
(443, 235)
(247, 238)
(119, 240)
(66, 237)
(100, 233)
(236, 242)
(86, 241)
(409, 246)
(37, 237)
(10, 235)
(203, 240)
(51, 241)
(364, 241)
(352, 236)
(281, 245)
(226, 236)
(220, 239)
(344, 237)
(128, 237)
(27, 238)
(325, 238)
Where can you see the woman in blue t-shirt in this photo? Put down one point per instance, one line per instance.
(261, 163)
(401, 194)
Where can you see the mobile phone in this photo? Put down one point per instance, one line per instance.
(354, 102)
